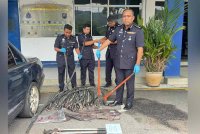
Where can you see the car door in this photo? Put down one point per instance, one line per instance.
(18, 79)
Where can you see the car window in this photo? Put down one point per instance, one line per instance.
(18, 59)
(11, 61)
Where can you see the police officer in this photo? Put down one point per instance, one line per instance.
(130, 42)
(86, 44)
(111, 50)
(64, 45)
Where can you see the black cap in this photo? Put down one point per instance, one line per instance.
(112, 18)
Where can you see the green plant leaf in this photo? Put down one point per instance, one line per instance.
(158, 34)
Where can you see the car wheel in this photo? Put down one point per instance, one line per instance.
(31, 101)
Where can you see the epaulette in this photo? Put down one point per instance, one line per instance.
(73, 36)
(137, 26)
(119, 25)
(59, 35)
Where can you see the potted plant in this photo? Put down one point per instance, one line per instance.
(158, 34)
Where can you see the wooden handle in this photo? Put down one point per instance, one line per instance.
(99, 79)
(99, 75)
(117, 87)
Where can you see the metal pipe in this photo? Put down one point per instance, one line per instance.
(65, 57)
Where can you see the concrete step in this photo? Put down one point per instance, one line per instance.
(54, 88)
(51, 85)
(51, 82)
(176, 80)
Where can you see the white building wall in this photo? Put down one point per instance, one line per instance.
(43, 48)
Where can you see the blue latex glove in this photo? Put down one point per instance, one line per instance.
(98, 54)
(136, 69)
(80, 56)
(63, 50)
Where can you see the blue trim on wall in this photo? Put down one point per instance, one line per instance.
(49, 64)
(173, 67)
(13, 20)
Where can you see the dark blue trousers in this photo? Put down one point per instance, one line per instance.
(61, 75)
(87, 64)
(130, 84)
(109, 66)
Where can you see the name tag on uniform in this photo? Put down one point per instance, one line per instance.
(131, 32)
(72, 42)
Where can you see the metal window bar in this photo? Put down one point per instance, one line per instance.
(108, 10)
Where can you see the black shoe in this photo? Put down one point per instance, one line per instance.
(61, 88)
(128, 106)
(82, 85)
(93, 85)
(73, 86)
(108, 85)
(115, 103)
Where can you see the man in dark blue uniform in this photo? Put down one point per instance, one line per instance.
(111, 50)
(64, 45)
(86, 44)
(130, 42)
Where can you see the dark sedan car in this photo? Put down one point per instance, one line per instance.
(25, 77)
